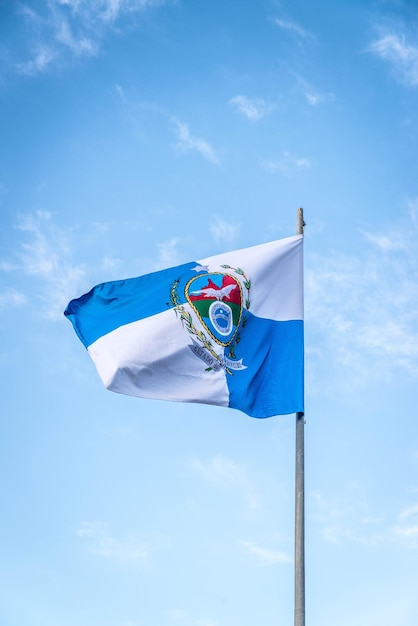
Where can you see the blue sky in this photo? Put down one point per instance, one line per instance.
(138, 134)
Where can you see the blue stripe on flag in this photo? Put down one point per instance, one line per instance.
(110, 305)
(272, 384)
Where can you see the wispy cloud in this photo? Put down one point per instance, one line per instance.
(42, 57)
(44, 254)
(60, 266)
(292, 27)
(227, 473)
(287, 164)
(224, 232)
(252, 108)
(395, 241)
(364, 308)
(139, 112)
(187, 142)
(406, 528)
(401, 55)
(11, 298)
(59, 30)
(79, 45)
(348, 517)
(266, 556)
(313, 96)
(103, 543)
(168, 254)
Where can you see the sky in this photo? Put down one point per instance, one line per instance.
(140, 134)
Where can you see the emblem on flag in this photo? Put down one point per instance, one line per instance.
(218, 302)
(190, 334)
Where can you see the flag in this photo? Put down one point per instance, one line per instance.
(226, 330)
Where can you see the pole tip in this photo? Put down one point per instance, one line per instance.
(300, 221)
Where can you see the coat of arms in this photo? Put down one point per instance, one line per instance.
(218, 303)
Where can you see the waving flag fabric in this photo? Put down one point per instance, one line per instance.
(226, 330)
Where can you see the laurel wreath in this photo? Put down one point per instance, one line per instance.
(187, 320)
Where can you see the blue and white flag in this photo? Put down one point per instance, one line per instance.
(226, 330)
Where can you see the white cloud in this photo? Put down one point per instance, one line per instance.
(38, 256)
(387, 243)
(8, 266)
(347, 517)
(111, 265)
(227, 473)
(59, 30)
(288, 164)
(186, 142)
(252, 108)
(168, 254)
(219, 469)
(41, 58)
(102, 227)
(111, 10)
(266, 556)
(121, 93)
(79, 45)
(224, 233)
(128, 549)
(45, 254)
(363, 309)
(292, 27)
(401, 55)
(406, 528)
(313, 96)
(11, 298)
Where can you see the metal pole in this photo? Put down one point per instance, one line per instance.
(300, 498)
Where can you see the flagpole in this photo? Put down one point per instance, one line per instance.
(300, 498)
